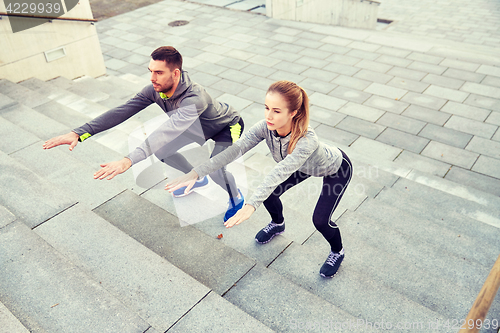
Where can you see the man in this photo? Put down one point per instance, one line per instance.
(193, 117)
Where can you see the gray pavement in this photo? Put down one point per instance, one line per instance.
(417, 112)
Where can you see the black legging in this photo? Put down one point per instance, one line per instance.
(332, 191)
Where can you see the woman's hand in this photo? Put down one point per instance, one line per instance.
(240, 216)
(188, 180)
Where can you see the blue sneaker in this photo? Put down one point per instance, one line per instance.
(199, 184)
(332, 264)
(238, 204)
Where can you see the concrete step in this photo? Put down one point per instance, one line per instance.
(29, 197)
(204, 258)
(47, 293)
(426, 245)
(34, 122)
(352, 289)
(6, 216)
(373, 256)
(65, 171)
(467, 201)
(63, 114)
(10, 324)
(144, 282)
(483, 235)
(13, 137)
(6, 101)
(21, 94)
(286, 307)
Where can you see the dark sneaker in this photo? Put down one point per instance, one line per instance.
(199, 184)
(271, 230)
(238, 204)
(332, 264)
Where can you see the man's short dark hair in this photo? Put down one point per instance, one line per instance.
(170, 55)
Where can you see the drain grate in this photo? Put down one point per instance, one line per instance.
(178, 23)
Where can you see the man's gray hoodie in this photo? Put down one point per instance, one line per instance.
(189, 109)
(309, 156)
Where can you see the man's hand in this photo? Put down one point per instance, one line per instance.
(113, 168)
(188, 180)
(240, 216)
(70, 139)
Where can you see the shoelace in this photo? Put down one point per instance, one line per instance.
(269, 227)
(332, 258)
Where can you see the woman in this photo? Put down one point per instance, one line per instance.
(299, 154)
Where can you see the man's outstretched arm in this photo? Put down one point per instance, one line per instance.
(70, 139)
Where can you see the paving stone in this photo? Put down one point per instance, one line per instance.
(446, 135)
(376, 149)
(341, 69)
(10, 324)
(335, 135)
(402, 140)
(386, 104)
(253, 94)
(263, 60)
(14, 138)
(320, 75)
(317, 85)
(47, 293)
(336, 40)
(446, 93)
(20, 94)
(493, 118)
(206, 80)
(361, 111)
(393, 61)
(385, 91)
(481, 89)
(443, 81)
(90, 242)
(483, 102)
(407, 73)
(408, 84)
(489, 70)
(351, 82)
(185, 247)
(327, 102)
(424, 58)
(471, 126)
(422, 163)
(448, 154)
(326, 116)
(463, 75)
(350, 94)
(343, 59)
(466, 111)
(484, 147)
(424, 100)
(373, 66)
(236, 76)
(373, 76)
(259, 70)
(229, 86)
(237, 102)
(334, 48)
(232, 63)
(487, 166)
(402, 123)
(428, 68)
(475, 180)
(400, 53)
(491, 81)
(290, 67)
(362, 54)
(427, 115)
(458, 64)
(361, 127)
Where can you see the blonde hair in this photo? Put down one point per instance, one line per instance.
(297, 100)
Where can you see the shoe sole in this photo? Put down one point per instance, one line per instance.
(276, 234)
(192, 190)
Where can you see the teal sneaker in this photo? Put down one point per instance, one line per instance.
(232, 209)
(199, 184)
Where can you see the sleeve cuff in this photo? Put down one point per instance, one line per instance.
(84, 137)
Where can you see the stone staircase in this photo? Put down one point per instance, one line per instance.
(82, 255)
